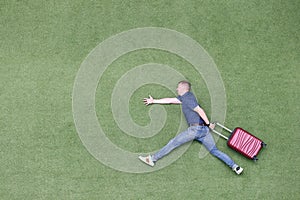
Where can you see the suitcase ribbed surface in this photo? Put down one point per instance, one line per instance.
(245, 143)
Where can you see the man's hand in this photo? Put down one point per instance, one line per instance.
(148, 101)
(212, 126)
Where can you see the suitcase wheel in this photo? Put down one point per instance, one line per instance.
(255, 158)
(263, 144)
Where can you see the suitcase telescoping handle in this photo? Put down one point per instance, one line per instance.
(220, 134)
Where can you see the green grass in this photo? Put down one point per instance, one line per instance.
(255, 45)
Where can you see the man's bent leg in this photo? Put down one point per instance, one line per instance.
(209, 143)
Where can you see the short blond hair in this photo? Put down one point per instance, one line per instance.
(186, 83)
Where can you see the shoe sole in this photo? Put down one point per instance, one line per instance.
(144, 161)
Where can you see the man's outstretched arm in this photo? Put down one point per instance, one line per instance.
(150, 100)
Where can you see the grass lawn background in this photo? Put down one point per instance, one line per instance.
(255, 45)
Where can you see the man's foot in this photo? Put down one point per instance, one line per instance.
(238, 170)
(147, 160)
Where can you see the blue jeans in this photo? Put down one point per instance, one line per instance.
(199, 133)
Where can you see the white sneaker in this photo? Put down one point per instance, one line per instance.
(238, 170)
(147, 160)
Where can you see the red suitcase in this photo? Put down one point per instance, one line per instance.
(243, 142)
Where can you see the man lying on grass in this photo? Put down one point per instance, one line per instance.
(198, 127)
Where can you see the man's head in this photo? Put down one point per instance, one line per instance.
(183, 87)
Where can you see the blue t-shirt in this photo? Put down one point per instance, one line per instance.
(188, 104)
